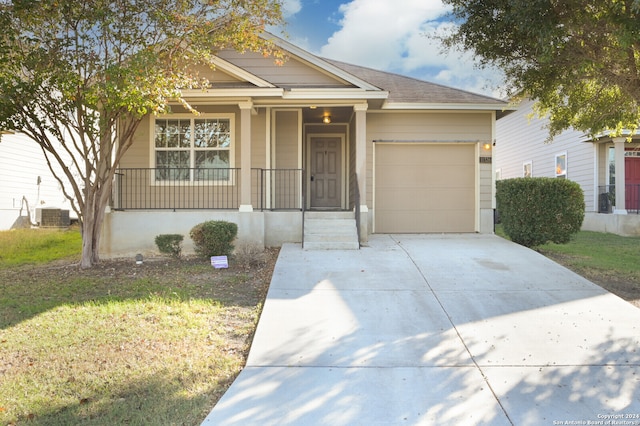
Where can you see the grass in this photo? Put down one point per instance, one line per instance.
(36, 246)
(117, 344)
(599, 253)
(600, 257)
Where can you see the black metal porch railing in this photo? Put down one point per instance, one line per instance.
(277, 189)
(183, 188)
(213, 189)
(607, 198)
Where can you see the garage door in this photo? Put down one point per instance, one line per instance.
(424, 188)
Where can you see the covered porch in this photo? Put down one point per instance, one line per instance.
(618, 187)
(288, 161)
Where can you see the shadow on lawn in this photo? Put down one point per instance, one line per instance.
(27, 291)
(30, 298)
(156, 400)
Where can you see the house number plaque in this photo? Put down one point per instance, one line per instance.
(485, 160)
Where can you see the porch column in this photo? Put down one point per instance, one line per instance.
(245, 156)
(618, 143)
(361, 153)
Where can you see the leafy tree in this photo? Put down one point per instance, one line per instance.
(580, 59)
(72, 72)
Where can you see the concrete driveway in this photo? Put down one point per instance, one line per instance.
(436, 329)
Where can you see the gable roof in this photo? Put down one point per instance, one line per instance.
(306, 76)
(406, 91)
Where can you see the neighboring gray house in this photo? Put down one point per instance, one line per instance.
(310, 147)
(27, 185)
(607, 169)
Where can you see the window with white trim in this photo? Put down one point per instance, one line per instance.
(561, 165)
(189, 148)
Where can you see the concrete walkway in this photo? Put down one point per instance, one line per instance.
(436, 330)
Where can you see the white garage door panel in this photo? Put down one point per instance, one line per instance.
(424, 188)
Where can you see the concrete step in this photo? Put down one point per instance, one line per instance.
(329, 225)
(330, 231)
(328, 215)
(333, 245)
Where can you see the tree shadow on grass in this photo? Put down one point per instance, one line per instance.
(34, 296)
(154, 400)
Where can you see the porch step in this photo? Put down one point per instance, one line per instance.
(330, 231)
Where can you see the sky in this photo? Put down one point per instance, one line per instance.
(387, 35)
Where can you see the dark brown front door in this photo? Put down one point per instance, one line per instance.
(326, 175)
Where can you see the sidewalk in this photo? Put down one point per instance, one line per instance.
(433, 329)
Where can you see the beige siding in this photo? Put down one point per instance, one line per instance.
(285, 184)
(425, 188)
(292, 73)
(258, 140)
(486, 186)
(286, 139)
(139, 154)
(430, 126)
(216, 75)
(520, 139)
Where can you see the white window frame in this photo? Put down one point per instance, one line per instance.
(192, 148)
(527, 165)
(559, 173)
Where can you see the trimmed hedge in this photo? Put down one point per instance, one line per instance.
(214, 238)
(534, 211)
(170, 244)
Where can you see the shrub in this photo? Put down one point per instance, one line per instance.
(534, 211)
(214, 238)
(170, 244)
(250, 256)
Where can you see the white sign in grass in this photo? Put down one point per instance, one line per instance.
(219, 262)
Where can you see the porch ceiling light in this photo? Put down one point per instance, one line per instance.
(486, 146)
(326, 119)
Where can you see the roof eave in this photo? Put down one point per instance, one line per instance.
(255, 92)
(334, 94)
(445, 106)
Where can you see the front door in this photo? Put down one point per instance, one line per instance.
(632, 181)
(325, 166)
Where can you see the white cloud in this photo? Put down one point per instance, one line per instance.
(376, 32)
(392, 35)
(290, 7)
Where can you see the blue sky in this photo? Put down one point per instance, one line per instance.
(388, 35)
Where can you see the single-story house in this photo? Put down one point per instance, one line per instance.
(310, 147)
(607, 168)
(29, 193)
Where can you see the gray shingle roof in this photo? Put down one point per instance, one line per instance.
(404, 89)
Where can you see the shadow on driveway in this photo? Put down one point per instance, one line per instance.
(435, 329)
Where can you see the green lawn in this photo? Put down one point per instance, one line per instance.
(37, 246)
(600, 253)
(120, 343)
(600, 257)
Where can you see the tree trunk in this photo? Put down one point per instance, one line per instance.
(93, 218)
(88, 221)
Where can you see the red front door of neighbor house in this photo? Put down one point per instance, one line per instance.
(632, 181)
